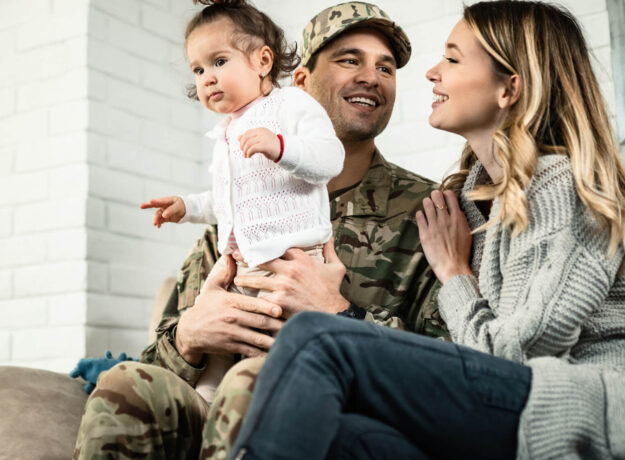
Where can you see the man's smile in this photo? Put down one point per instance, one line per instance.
(368, 102)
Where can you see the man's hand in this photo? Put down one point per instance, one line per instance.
(223, 322)
(301, 282)
(170, 209)
(260, 140)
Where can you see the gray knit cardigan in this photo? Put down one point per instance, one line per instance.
(549, 298)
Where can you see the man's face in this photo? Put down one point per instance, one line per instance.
(354, 80)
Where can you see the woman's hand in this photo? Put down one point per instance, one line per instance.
(445, 235)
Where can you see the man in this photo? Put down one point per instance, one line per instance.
(350, 54)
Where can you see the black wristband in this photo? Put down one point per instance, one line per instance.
(353, 311)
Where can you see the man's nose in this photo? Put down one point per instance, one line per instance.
(368, 75)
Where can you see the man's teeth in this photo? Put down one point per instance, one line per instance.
(362, 100)
(440, 98)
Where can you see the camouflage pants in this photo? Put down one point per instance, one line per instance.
(142, 411)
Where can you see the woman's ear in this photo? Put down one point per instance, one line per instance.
(265, 59)
(511, 92)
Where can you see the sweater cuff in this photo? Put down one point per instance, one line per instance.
(455, 294)
(565, 409)
(289, 161)
(192, 213)
(615, 399)
(171, 359)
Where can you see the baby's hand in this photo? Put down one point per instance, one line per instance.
(170, 209)
(260, 140)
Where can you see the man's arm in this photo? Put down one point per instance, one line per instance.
(221, 322)
(303, 283)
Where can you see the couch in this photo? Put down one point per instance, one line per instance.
(40, 410)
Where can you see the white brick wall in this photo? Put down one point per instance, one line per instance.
(43, 87)
(93, 121)
(136, 78)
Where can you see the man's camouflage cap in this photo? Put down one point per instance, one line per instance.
(335, 20)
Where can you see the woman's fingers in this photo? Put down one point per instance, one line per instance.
(451, 200)
(430, 211)
(438, 199)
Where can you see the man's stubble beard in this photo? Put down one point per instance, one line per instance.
(349, 129)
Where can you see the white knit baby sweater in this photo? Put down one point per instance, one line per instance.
(552, 299)
(272, 206)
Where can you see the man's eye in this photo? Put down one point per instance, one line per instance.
(348, 61)
(385, 69)
(451, 60)
(198, 70)
(219, 62)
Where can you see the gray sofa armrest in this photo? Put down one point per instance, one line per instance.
(40, 413)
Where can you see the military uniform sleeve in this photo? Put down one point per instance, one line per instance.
(192, 274)
(419, 313)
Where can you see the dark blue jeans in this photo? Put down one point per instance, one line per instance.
(333, 387)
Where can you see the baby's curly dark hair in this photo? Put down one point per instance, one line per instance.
(249, 23)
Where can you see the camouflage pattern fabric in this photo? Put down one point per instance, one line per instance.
(140, 411)
(230, 405)
(375, 236)
(335, 20)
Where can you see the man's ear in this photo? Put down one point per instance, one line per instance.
(301, 76)
(511, 92)
(265, 59)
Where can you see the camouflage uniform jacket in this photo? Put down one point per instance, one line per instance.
(375, 236)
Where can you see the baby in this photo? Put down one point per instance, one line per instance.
(274, 152)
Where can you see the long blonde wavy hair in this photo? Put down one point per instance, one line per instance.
(560, 110)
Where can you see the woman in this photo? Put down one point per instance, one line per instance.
(542, 188)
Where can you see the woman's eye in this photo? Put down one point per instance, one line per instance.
(198, 71)
(219, 62)
(451, 60)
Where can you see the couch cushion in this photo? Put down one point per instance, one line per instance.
(40, 413)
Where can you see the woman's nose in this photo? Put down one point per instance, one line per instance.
(433, 74)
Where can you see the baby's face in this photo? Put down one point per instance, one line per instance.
(226, 78)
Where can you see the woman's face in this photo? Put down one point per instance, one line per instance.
(466, 89)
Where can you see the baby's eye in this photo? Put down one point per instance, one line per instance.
(198, 70)
(451, 60)
(219, 62)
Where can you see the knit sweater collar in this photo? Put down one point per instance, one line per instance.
(477, 176)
